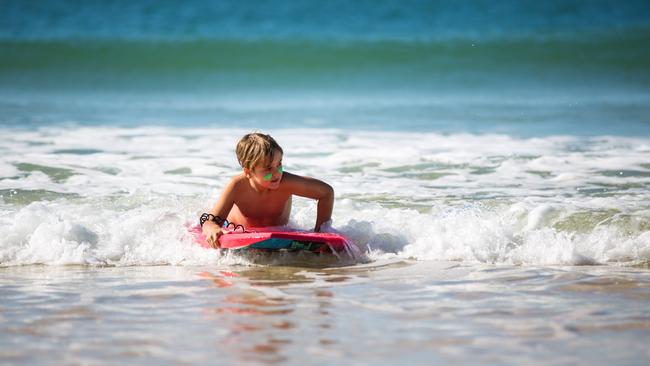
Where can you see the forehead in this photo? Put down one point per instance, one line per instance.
(275, 160)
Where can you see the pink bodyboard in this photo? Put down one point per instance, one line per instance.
(277, 240)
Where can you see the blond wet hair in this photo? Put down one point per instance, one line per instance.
(254, 148)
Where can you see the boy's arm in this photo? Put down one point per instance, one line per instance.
(314, 189)
(221, 208)
(225, 201)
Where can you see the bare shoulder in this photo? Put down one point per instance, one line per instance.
(305, 186)
(228, 196)
(238, 179)
(290, 179)
(237, 182)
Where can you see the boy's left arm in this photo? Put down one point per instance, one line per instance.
(314, 189)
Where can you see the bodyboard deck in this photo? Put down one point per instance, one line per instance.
(277, 241)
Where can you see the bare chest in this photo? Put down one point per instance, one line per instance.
(264, 210)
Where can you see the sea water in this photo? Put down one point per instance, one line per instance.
(491, 161)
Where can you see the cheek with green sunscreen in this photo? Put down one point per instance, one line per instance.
(268, 177)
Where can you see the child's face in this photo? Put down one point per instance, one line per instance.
(269, 173)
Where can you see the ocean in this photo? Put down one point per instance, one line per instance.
(491, 161)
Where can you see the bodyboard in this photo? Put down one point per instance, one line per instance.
(272, 240)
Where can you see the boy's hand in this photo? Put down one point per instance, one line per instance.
(212, 232)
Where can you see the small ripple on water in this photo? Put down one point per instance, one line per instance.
(56, 174)
(77, 151)
(23, 197)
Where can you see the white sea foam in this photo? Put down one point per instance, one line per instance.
(113, 196)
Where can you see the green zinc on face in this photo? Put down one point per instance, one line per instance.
(268, 177)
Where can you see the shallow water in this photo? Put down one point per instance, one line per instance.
(491, 160)
(378, 313)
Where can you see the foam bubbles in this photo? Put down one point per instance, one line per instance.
(115, 196)
(505, 234)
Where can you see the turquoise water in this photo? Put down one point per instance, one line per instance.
(491, 160)
(576, 67)
(315, 19)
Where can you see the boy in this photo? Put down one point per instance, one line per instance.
(261, 195)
